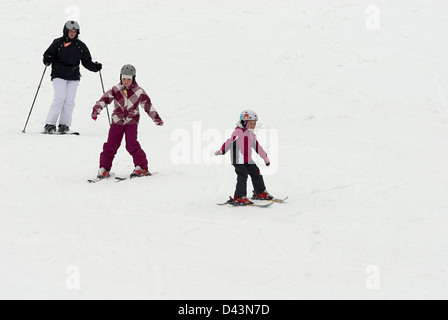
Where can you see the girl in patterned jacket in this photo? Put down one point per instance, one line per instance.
(241, 143)
(127, 96)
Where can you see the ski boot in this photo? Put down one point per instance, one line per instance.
(240, 201)
(50, 128)
(103, 173)
(139, 172)
(62, 129)
(262, 196)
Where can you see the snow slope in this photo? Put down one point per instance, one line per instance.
(355, 119)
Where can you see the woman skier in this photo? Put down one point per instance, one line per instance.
(65, 55)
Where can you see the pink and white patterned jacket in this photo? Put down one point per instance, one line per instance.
(241, 144)
(126, 104)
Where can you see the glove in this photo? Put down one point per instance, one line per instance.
(218, 153)
(159, 123)
(99, 66)
(94, 116)
(47, 60)
(267, 162)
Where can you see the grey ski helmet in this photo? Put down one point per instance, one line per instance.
(69, 25)
(128, 70)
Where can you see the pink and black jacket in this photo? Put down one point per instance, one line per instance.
(126, 104)
(241, 144)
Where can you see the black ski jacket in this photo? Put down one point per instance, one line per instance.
(66, 57)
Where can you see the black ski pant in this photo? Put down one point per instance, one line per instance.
(243, 171)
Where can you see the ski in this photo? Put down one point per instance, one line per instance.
(95, 180)
(246, 205)
(272, 200)
(74, 133)
(230, 202)
(133, 177)
(70, 133)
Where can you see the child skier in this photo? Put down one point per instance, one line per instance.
(127, 96)
(241, 142)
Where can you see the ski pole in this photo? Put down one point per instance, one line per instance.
(102, 85)
(34, 99)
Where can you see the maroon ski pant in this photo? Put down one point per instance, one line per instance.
(114, 139)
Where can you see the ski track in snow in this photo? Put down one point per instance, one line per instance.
(362, 121)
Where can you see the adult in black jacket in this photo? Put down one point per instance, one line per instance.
(65, 55)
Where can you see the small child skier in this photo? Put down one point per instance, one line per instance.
(241, 143)
(127, 96)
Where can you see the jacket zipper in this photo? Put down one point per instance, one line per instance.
(125, 105)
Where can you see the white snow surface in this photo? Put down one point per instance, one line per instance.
(355, 120)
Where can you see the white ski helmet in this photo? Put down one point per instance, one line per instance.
(248, 115)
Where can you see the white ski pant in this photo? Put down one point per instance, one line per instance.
(63, 102)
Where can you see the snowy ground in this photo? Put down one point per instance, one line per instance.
(353, 101)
